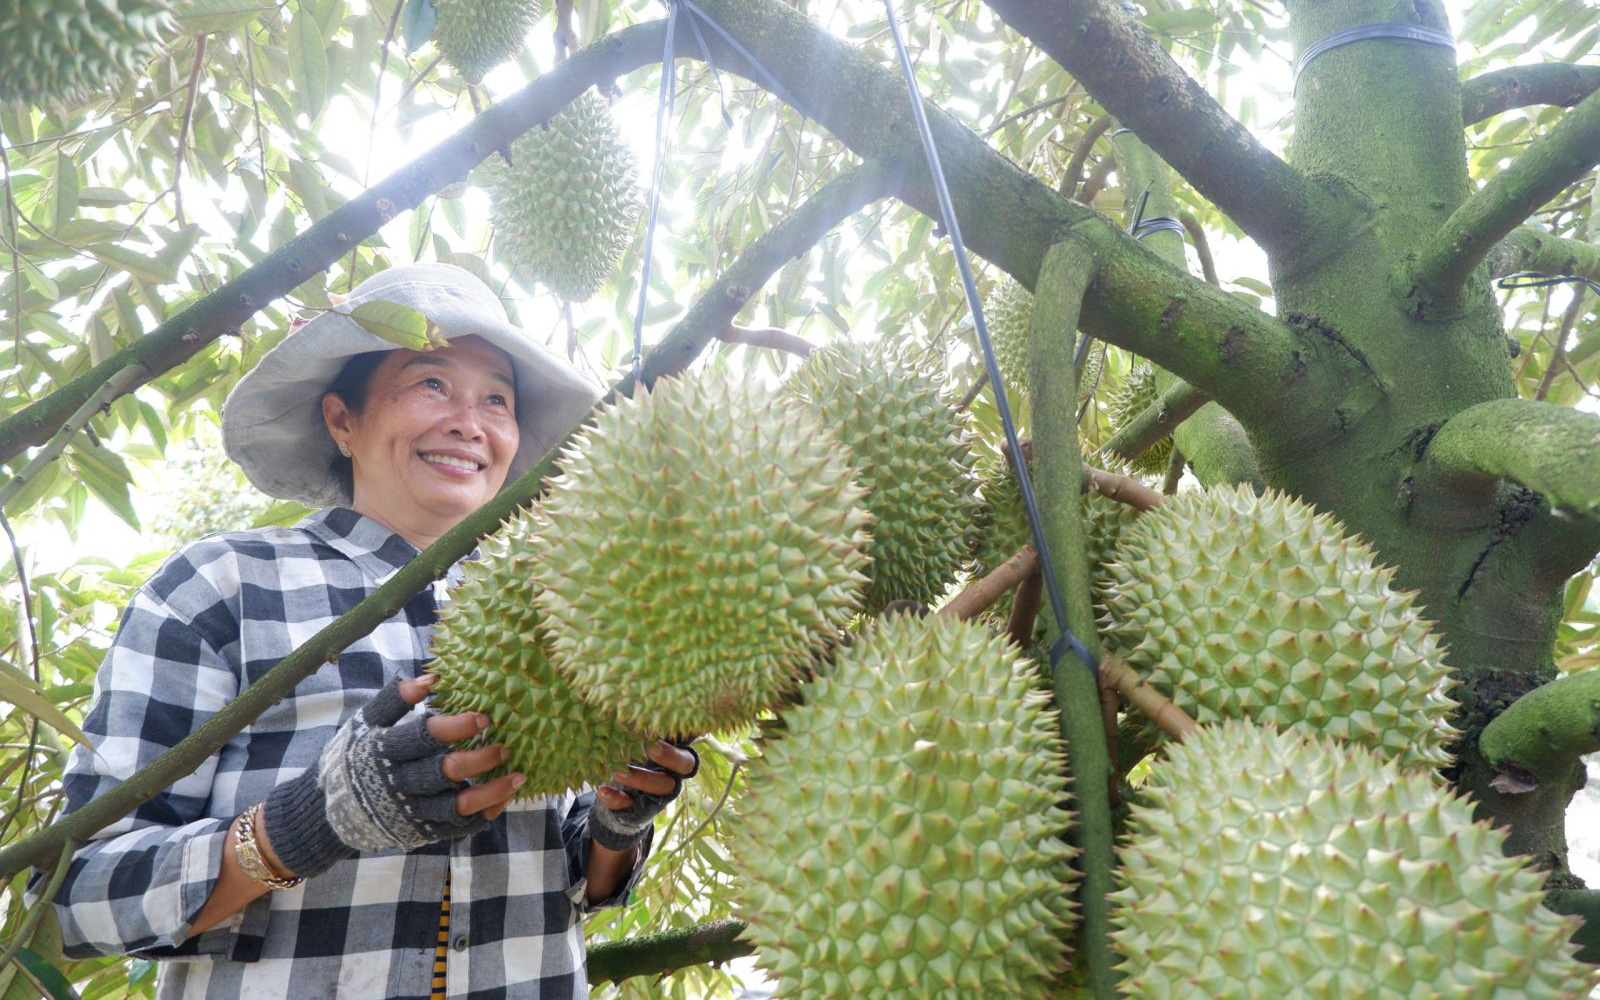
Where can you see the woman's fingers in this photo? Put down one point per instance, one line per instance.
(413, 691)
(645, 780)
(489, 795)
(674, 758)
(613, 799)
(455, 728)
(459, 765)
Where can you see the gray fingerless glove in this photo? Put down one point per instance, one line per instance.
(620, 830)
(379, 785)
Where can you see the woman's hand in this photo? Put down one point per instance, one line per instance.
(489, 798)
(625, 808)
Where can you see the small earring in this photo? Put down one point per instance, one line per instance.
(344, 449)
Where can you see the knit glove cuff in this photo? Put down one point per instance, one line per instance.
(622, 829)
(296, 817)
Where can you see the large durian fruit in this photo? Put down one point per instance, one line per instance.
(910, 447)
(1262, 864)
(704, 542)
(492, 657)
(1135, 393)
(565, 207)
(1000, 527)
(1247, 607)
(901, 841)
(475, 36)
(1008, 311)
(69, 49)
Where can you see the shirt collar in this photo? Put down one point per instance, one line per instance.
(371, 546)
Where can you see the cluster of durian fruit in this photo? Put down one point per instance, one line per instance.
(713, 554)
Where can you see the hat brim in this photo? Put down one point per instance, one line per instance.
(272, 423)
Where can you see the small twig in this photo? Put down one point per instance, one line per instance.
(1175, 465)
(183, 129)
(721, 801)
(766, 336)
(980, 595)
(1136, 691)
(1544, 322)
(1202, 246)
(1025, 609)
(1080, 155)
(416, 81)
(35, 915)
(1122, 489)
(33, 660)
(102, 397)
(1097, 180)
(255, 108)
(1025, 112)
(1558, 356)
(16, 268)
(1110, 703)
(972, 393)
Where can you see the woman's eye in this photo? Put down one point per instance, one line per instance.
(434, 383)
(497, 399)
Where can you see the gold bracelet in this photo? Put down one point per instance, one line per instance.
(248, 854)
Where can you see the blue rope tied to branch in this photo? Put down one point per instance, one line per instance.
(1533, 279)
(1363, 32)
(1067, 641)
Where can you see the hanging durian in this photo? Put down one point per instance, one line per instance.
(1247, 607)
(69, 49)
(704, 541)
(1263, 864)
(475, 36)
(491, 657)
(901, 841)
(565, 208)
(910, 448)
(1135, 393)
(1008, 312)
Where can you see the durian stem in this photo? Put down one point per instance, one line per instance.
(980, 595)
(1025, 610)
(1122, 489)
(1058, 486)
(1177, 404)
(666, 952)
(1136, 691)
(766, 336)
(1175, 466)
(752, 269)
(1543, 733)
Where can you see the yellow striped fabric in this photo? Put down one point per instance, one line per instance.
(442, 949)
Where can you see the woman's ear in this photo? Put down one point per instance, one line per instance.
(337, 416)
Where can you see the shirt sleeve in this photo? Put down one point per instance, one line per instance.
(137, 886)
(575, 837)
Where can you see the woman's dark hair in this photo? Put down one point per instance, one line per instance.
(350, 385)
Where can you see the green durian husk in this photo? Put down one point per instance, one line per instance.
(704, 543)
(492, 656)
(1135, 393)
(1008, 312)
(1267, 864)
(565, 208)
(1260, 608)
(902, 840)
(69, 49)
(475, 36)
(911, 450)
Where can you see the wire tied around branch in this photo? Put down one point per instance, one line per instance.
(1533, 279)
(1399, 30)
(1067, 641)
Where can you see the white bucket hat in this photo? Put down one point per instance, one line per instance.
(272, 422)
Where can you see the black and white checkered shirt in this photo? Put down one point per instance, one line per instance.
(217, 616)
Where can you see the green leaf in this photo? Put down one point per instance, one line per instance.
(48, 975)
(308, 61)
(133, 261)
(105, 475)
(416, 23)
(19, 689)
(399, 325)
(196, 16)
(64, 192)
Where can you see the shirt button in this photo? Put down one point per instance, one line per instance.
(460, 943)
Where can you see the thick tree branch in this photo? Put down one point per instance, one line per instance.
(1540, 736)
(281, 271)
(700, 326)
(1556, 159)
(1552, 450)
(1132, 77)
(1155, 421)
(1585, 904)
(1490, 94)
(1529, 249)
(1052, 387)
(666, 952)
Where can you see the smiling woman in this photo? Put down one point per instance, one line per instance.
(408, 879)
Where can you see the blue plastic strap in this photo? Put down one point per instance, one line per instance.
(1160, 224)
(664, 102)
(770, 81)
(947, 216)
(1363, 32)
(711, 64)
(1533, 279)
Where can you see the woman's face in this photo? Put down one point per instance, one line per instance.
(434, 439)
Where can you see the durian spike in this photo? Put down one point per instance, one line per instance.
(981, 594)
(1136, 691)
